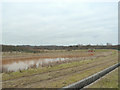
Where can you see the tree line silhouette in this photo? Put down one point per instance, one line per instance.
(35, 49)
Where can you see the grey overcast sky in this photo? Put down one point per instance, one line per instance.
(59, 23)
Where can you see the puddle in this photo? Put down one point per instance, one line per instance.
(24, 65)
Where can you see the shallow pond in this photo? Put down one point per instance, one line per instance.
(24, 65)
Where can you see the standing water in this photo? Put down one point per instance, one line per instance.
(24, 65)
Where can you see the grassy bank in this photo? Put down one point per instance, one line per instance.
(109, 81)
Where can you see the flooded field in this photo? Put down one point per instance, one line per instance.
(17, 61)
(54, 69)
(26, 64)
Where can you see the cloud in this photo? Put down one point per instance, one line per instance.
(59, 23)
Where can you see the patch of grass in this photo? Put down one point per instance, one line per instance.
(109, 81)
(24, 54)
(69, 79)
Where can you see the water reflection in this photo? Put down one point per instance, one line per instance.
(24, 65)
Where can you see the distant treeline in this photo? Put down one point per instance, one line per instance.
(28, 48)
(22, 48)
